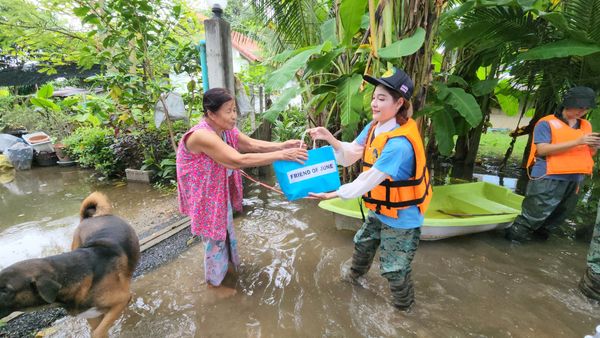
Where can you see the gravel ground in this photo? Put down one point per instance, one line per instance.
(163, 252)
(28, 324)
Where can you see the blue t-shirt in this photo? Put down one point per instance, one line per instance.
(543, 134)
(398, 161)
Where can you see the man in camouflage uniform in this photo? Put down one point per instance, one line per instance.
(398, 247)
(590, 283)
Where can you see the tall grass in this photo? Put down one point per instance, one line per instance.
(494, 144)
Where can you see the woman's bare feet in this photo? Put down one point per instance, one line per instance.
(222, 291)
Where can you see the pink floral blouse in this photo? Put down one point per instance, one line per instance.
(204, 186)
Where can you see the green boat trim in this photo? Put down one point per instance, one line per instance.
(472, 215)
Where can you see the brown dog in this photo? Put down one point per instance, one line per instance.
(92, 280)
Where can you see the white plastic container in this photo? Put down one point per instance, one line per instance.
(32, 140)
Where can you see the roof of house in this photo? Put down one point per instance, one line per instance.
(246, 46)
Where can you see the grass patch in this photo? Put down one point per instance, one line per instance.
(495, 143)
(2, 323)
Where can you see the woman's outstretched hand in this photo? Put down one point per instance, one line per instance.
(294, 154)
(293, 144)
(320, 133)
(323, 195)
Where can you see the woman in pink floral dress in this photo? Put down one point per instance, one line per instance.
(209, 182)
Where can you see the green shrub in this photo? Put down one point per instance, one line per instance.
(13, 114)
(128, 150)
(91, 146)
(97, 148)
(290, 125)
(159, 155)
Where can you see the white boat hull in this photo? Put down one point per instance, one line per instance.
(428, 232)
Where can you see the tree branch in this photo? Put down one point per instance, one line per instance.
(55, 30)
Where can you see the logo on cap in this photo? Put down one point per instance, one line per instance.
(403, 88)
(388, 73)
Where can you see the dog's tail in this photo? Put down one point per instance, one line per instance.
(94, 205)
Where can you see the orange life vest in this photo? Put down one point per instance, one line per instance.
(390, 196)
(577, 160)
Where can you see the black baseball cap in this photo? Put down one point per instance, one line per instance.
(579, 97)
(396, 80)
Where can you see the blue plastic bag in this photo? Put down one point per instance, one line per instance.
(318, 174)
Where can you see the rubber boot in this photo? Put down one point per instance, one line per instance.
(590, 284)
(518, 235)
(541, 234)
(362, 259)
(403, 294)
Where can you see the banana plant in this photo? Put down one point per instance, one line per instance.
(43, 98)
(452, 110)
(360, 37)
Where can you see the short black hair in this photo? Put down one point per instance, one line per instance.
(214, 98)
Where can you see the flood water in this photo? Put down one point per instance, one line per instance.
(39, 209)
(289, 284)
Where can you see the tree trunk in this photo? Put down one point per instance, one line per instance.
(544, 105)
(467, 146)
(424, 14)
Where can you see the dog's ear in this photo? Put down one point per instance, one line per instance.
(47, 289)
(7, 293)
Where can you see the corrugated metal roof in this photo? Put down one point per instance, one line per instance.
(27, 76)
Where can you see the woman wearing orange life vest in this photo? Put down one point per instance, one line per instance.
(394, 184)
(561, 154)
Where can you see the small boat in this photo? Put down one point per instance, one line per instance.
(455, 210)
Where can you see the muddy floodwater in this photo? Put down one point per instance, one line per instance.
(39, 209)
(289, 282)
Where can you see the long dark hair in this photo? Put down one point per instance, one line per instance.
(402, 113)
(214, 98)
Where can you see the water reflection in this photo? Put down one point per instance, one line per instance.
(36, 239)
(508, 182)
(39, 209)
(444, 172)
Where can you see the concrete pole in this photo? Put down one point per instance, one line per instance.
(261, 99)
(253, 111)
(218, 52)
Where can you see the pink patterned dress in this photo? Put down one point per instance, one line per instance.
(207, 193)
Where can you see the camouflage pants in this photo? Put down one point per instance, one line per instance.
(546, 205)
(590, 282)
(593, 257)
(397, 250)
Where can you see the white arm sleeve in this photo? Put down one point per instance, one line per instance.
(365, 182)
(350, 153)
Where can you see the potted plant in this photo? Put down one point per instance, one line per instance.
(61, 153)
